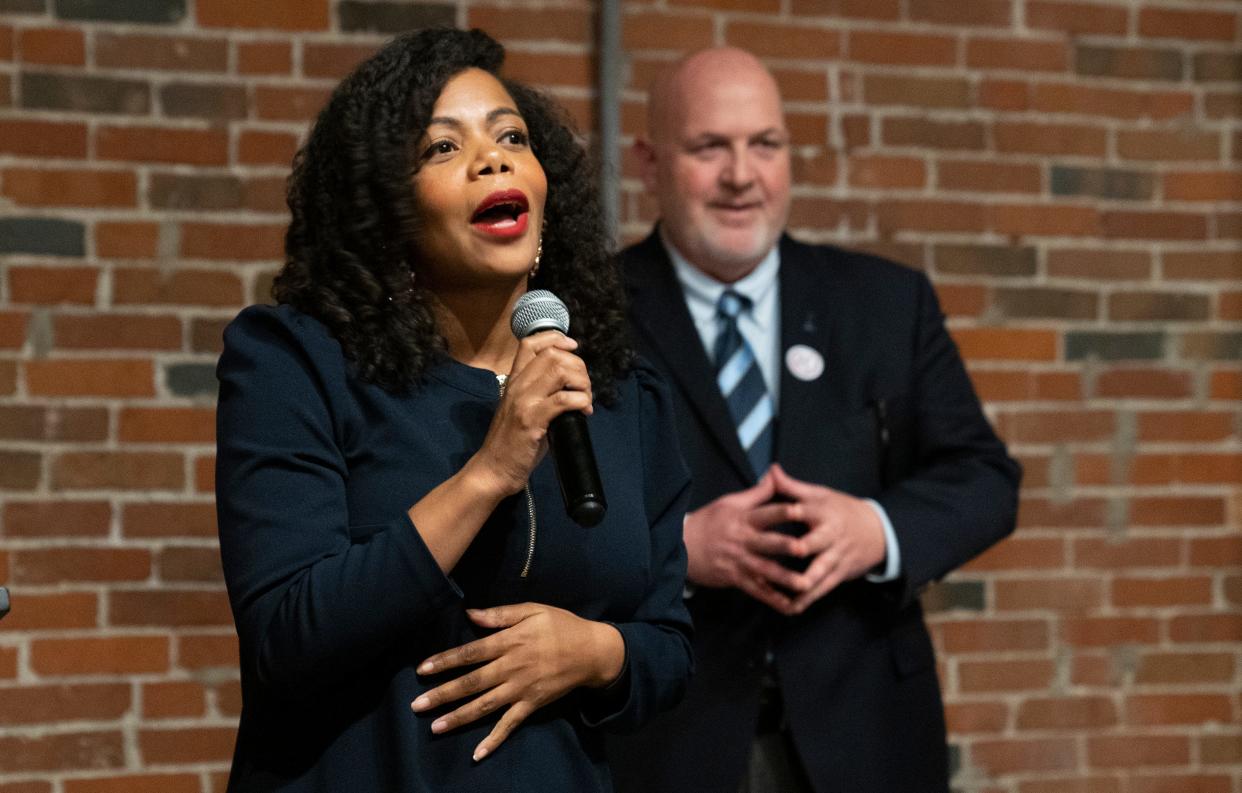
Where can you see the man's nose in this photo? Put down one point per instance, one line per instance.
(739, 172)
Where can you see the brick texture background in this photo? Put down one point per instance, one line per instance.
(1068, 171)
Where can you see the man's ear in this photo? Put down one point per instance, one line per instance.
(645, 153)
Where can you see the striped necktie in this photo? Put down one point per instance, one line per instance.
(741, 383)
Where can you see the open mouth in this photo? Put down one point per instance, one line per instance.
(503, 213)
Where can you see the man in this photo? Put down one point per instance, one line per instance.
(841, 461)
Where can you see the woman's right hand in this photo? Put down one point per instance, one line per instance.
(537, 654)
(545, 380)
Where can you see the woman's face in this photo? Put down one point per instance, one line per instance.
(479, 188)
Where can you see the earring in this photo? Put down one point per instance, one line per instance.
(538, 256)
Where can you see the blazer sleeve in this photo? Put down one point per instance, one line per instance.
(310, 605)
(658, 655)
(962, 494)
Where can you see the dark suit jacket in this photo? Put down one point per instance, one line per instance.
(893, 417)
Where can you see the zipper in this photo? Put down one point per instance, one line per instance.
(530, 501)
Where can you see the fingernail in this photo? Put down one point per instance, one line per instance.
(421, 703)
(439, 725)
(425, 667)
(479, 754)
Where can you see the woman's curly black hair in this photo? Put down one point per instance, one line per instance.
(350, 250)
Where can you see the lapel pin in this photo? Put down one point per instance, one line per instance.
(805, 363)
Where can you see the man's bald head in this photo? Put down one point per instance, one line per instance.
(667, 99)
(717, 159)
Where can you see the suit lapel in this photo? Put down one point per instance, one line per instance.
(812, 310)
(660, 315)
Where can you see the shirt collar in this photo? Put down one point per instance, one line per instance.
(703, 289)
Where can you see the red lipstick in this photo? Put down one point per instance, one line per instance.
(503, 213)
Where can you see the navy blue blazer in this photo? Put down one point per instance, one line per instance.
(892, 417)
(337, 599)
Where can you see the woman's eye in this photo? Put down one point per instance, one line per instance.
(439, 147)
(515, 137)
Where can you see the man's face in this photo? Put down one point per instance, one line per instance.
(719, 167)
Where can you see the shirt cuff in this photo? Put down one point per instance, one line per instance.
(892, 552)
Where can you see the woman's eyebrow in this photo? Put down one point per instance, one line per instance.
(450, 121)
(502, 111)
(447, 121)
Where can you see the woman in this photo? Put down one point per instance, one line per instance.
(415, 610)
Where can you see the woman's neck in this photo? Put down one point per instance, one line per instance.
(475, 325)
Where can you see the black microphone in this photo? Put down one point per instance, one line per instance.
(568, 436)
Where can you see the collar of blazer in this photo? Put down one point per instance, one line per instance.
(810, 306)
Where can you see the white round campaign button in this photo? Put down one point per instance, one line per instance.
(805, 363)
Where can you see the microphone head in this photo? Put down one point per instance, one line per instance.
(538, 310)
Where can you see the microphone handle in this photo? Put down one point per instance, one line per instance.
(569, 441)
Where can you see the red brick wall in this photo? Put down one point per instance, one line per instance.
(1070, 174)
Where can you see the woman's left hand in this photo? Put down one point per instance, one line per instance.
(541, 654)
